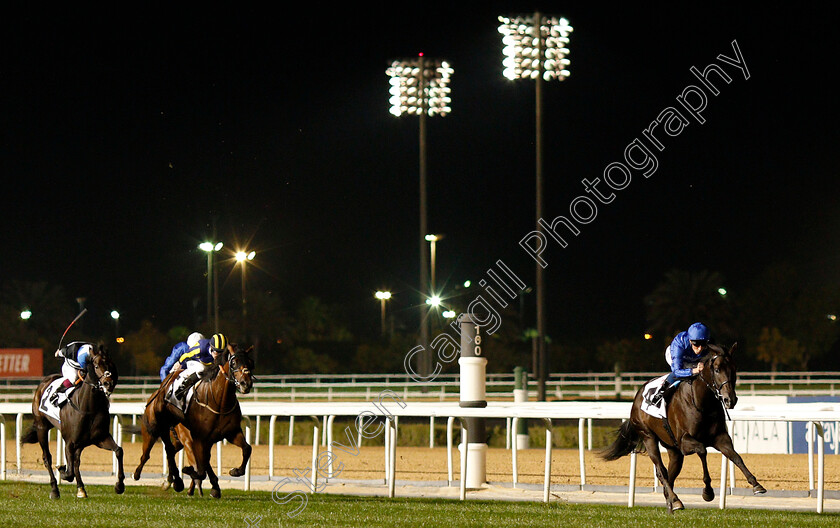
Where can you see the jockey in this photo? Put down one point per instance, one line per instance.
(177, 351)
(76, 357)
(685, 353)
(197, 358)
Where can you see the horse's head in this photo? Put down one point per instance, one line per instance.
(104, 369)
(240, 366)
(722, 374)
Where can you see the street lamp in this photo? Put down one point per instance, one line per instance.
(383, 296)
(212, 283)
(25, 314)
(244, 257)
(535, 48)
(115, 315)
(420, 86)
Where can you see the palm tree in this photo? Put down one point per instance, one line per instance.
(684, 297)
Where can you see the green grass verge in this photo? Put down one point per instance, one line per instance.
(28, 505)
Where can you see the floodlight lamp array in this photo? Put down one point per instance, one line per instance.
(420, 86)
(534, 47)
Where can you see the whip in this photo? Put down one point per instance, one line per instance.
(68, 327)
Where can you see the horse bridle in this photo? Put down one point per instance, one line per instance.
(714, 387)
(98, 385)
(229, 375)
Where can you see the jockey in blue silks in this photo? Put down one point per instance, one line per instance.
(197, 359)
(684, 355)
(177, 351)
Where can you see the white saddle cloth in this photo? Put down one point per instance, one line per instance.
(170, 394)
(650, 389)
(46, 407)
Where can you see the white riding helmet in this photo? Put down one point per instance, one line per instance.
(193, 339)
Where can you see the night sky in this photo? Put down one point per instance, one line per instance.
(127, 136)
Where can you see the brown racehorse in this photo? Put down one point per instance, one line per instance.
(85, 420)
(213, 415)
(696, 419)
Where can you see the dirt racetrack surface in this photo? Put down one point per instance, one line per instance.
(775, 472)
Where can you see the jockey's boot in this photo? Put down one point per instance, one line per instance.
(656, 397)
(191, 380)
(58, 398)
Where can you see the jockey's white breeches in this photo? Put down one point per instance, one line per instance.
(69, 372)
(194, 367)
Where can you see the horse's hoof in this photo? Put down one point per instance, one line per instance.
(237, 472)
(119, 488)
(758, 489)
(81, 493)
(708, 494)
(178, 484)
(137, 475)
(55, 494)
(216, 493)
(677, 505)
(189, 471)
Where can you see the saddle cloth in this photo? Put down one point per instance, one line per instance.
(651, 387)
(46, 407)
(184, 405)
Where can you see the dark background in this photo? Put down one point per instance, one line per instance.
(127, 137)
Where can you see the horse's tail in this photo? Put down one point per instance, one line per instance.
(132, 429)
(30, 436)
(625, 442)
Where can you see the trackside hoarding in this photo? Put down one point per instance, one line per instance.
(21, 363)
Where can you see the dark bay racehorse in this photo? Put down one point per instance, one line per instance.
(85, 421)
(696, 419)
(213, 415)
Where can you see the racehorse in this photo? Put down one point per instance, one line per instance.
(85, 419)
(213, 415)
(696, 419)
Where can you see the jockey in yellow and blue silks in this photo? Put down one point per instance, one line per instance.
(684, 356)
(197, 358)
(171, 364)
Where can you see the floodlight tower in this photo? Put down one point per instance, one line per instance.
(420, 86)
(535, 48)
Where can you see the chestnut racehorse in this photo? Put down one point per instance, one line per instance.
(213, 415)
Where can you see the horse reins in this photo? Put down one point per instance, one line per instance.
(230, 379)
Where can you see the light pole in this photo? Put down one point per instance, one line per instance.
(383, 296)
(420, 86)
(115, 315)
(535, 48)
(244, 257)
(212, 289)
(433, 239)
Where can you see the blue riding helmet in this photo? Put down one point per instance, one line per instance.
(698, 332)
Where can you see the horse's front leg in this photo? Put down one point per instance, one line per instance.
(675, 464)
(708, 491)
(66, 472)
(111, 445)
(237, 438)
(652, 448)
(723, 443)
(80, 486)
